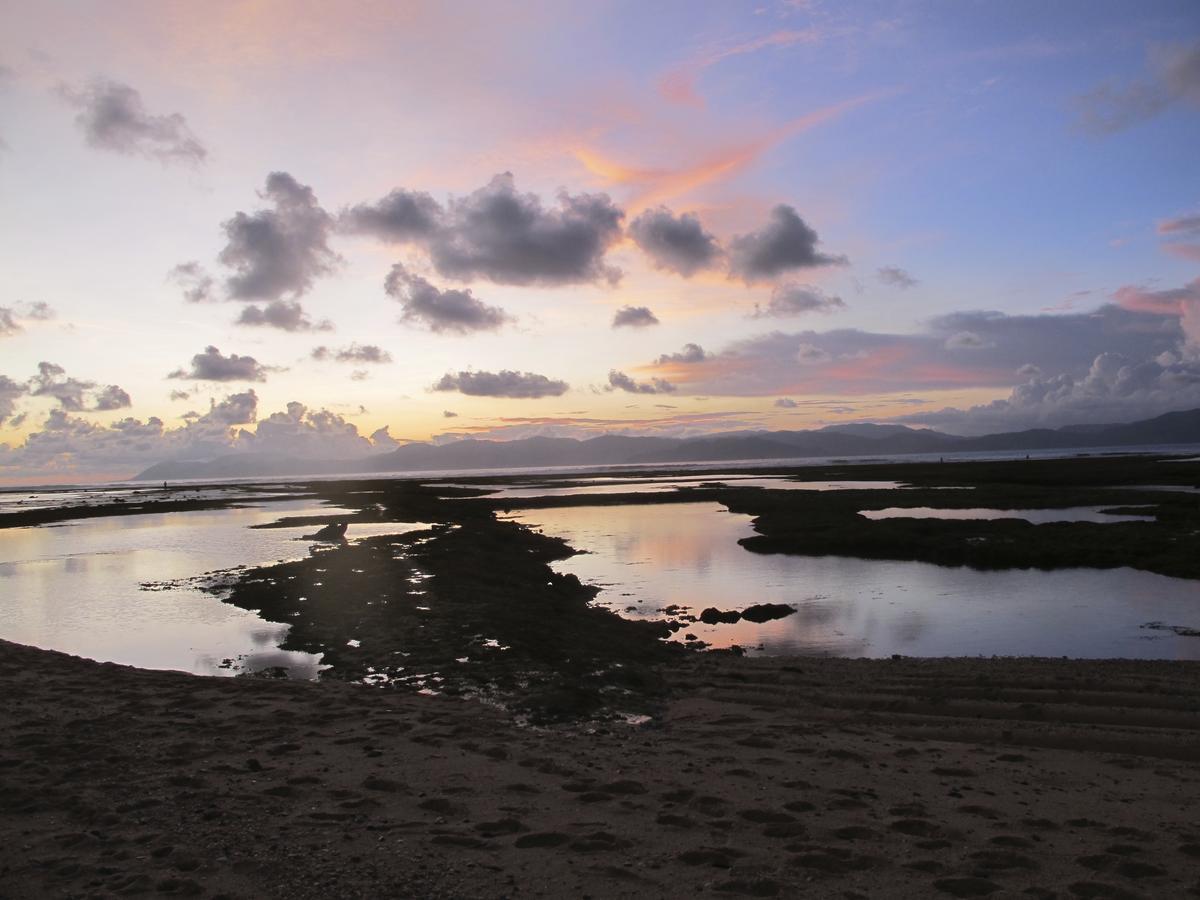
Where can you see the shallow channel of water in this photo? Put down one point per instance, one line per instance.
(77, 587)
(649, 558)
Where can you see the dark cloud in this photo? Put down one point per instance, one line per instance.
(896, 277)
(786, 403)
(355, 353)
(212, 366)
(10, 391)
(634, 317)
(8, 322)
(1111, 108)
(678, 244)
(505, 383)
(457, 311)
(795, 300)
(198, 286)
(113, 117)
(281, 250)
(236, 409)
(965, 340)
(34, 312)
(400, 217)
(619, 381)
(180, 395)
(286, 315)
(785, 244)
(72, 394)
(449, 414)
(691, 353)
(110, 398)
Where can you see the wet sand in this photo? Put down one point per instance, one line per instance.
(760, 778)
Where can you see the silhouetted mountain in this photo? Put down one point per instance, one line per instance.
(614, 449)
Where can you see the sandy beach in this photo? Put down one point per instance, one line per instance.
(847, 778)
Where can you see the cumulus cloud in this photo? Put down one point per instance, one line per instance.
(8, 322)
(634, 317)
(501, 235)
(797, 299)
(457, 311)
(195, 282)
(675, 243)
(786, 243)
(286, 315)
(355, 353)
(400, 217)
(38, 312)
(691, 353)
(855, 362)
(211, 365)
(73, 394)
(278, 251)
(10, 317)
(1175, 79)
(69, 447)
(180, 395)
(619, 381)
(113, 117)
(505, 383)
(894, 276)
(10, 392)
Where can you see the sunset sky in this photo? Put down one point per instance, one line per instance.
(326, 228)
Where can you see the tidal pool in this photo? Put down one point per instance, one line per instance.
(648, 558)
(78, 587)
(1035, 516)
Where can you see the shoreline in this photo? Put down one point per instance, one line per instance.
(784, 777)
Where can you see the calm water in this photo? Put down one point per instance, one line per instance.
(650, 557)
(1036, 516)
(634, 485)
(77, 587)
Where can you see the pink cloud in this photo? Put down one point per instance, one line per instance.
(678, 85)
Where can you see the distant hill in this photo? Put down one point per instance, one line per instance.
(835, 440)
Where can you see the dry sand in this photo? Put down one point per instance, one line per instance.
(822, 778)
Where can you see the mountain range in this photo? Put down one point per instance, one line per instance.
(848, 440)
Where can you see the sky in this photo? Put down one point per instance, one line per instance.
(329, 229)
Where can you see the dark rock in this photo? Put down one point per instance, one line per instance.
(714, 616)
(765, 612)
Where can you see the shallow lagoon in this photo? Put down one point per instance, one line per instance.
(77, 587)
(651, 557)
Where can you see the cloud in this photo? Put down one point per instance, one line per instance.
(34, 312)
(198, 286)
(511, 238)
(73, 394)
(786, 403)
(1186, 226)
(797, 299)
(68, 447)
(1115, 388)
(180, 395)
(965, 340)
(281, 250)
(673, 425)
(1183, 302)
(449, 414)
(400, 217)
(355, 353)
(505, 383)
(678, 244)
(679, 84)
(212, 366)
(1110, 108)
(784, 244)
(691, 353)
(634, 317)
(457, 311)
(10, 392)
(896, 277)
(286, 315)
(853, 362)
(498, 234)
(8, 322)
(619, 381)
(113, 117)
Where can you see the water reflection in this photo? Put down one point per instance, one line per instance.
(648, 558)
(1035, 516)
(632, 485)
(78, 588)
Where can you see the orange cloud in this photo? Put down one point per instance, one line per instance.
(679, 84)
(656, 185)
